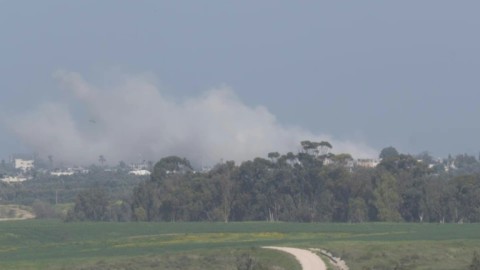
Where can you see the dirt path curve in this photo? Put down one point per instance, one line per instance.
(308, 259)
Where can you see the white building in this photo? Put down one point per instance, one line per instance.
(367, 162)
(23, 164)
(69, 171)
(139, 172)
(61, 173)
(13, 179)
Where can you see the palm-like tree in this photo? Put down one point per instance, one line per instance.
(50, 161)
(101, 159)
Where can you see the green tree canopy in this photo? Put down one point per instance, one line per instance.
(388, 152)
(170, 165)
(91, 205)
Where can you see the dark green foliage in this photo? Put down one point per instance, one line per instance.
(466, 192)
(466, 162)
(404, 164)
(273, 155)
(170, 165)
(90, 205)
(302, 188)
(310, 186)
(388, 152)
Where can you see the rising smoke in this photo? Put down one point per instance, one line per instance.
(132, 120)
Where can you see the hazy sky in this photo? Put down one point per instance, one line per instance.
(83, 78)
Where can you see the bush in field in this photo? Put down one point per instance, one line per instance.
(247, 262)
(43, 210)
(475, 265)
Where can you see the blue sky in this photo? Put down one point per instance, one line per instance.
(401, 73)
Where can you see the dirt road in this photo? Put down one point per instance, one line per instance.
(308, 259)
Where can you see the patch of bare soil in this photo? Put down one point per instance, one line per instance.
(14, 212)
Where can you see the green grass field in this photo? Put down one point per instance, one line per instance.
(37, 244)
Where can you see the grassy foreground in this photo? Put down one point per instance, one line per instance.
(37, 244)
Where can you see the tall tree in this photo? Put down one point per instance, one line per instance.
(91, 205)
(386, 196)
(170, 165)
(102, 159)
(222, 177)
(273, 156)
(50, 161)
(388, 152)
(467, 196)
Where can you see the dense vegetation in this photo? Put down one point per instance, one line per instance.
(52, 196)
(310, 186)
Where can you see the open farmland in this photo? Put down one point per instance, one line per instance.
(34, 244)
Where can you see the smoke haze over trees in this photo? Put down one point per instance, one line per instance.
(128, 118)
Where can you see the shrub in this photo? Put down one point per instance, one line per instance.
(43, 210)
(247, 262)
(475, 265)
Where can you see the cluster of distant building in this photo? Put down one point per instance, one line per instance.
(139, 169)
(361, 162)
(445, 165)
(24, 165)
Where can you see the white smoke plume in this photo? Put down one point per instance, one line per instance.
(132, 120)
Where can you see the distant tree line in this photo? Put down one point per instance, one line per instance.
(310, 186)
